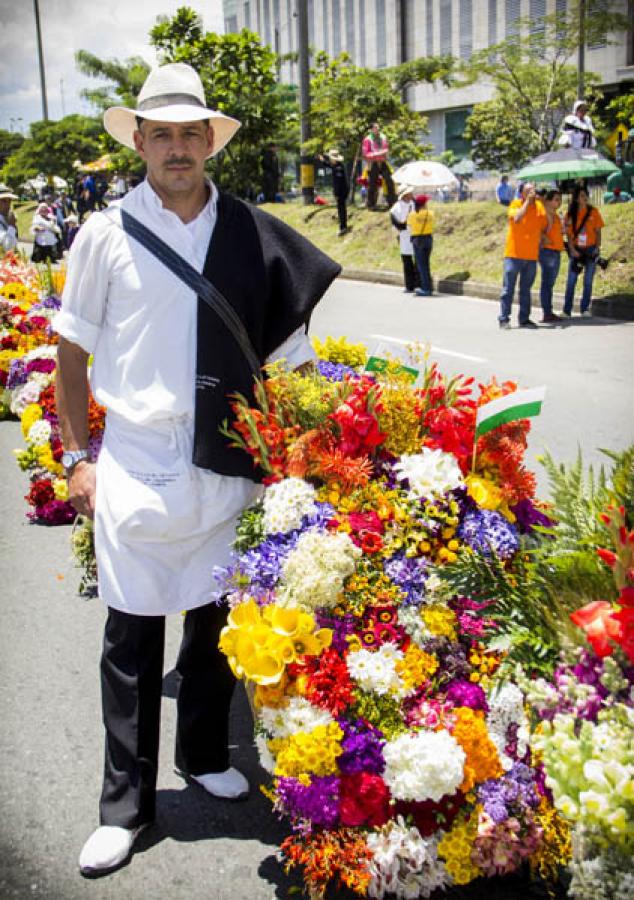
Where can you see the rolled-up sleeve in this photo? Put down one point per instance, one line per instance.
(86, 288)
(295, 351)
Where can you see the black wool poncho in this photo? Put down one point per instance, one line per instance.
(273, 278)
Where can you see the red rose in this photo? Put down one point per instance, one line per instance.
(364, 800)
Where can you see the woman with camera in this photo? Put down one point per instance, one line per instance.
(583, 225)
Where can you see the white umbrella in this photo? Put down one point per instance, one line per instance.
(424, 173)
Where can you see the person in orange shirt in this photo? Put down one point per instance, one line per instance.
(550, 254)
(583, 227)
(527, 220)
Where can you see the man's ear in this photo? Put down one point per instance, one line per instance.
(137, 137)
(211, 137)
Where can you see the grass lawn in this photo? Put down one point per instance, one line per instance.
(24, 216)
(468, 242)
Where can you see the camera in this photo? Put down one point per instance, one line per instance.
(602, 262)
(577, 264)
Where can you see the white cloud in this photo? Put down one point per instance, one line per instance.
(109, 29)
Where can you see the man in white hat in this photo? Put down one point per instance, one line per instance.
(8, 226)
(577, 129)
(167, 487)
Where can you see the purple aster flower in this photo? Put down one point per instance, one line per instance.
(487, 531)
(317, 801)
(334, 371)
(409, 574)
(341, 626)
(511, 794)
(528, 516)
(464, 693)
(362, 748)
(16, 375)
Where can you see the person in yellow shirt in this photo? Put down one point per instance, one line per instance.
(527, 220)
(550, 254)
(583, 227)
(420, 224)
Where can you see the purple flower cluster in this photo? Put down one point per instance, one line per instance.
(409, 574)
(468, 612)
(510, 794)
(50, 302)
(16, 375)
(464, 693)
(362, 748)
(319, 519)
(341, 626)
(528, 516)
(317, 801)
(487, 531)
(588, 670)
(55, 512)
(334, 371)
(44, 364)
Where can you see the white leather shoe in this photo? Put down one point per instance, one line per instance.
(106, 849)
(229, 785)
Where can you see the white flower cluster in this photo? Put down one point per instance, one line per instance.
(286, 503)
(431, 473)
(42, 351)
(298, 715)
(506, 708)
(423, 766)
(403, 863)
(267, 760)
(39, 433)
(410, 619)
(314, 572)
(375, 670)
(24, 395)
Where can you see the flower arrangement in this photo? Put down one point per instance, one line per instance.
(400, 761)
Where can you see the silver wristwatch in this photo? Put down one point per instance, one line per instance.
(70, 458)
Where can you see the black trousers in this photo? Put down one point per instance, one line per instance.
(410, 272)
(376, 169)
(342, 212)
(131, 686)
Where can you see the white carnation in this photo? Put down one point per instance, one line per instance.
(267, 760)
(286, 503)
(23, 396)
(431, 473)
(39, 433)
(423, 766)
(314, 572)
(375, 670)
(298, 715)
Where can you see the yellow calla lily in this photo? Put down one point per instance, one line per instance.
(283, 620)
(245, 614)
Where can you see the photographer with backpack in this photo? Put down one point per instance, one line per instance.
(583, 224)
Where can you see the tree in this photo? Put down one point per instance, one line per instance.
(239, 77)
(535, 85)
(126, 79)
(9, 143)
(52, 147)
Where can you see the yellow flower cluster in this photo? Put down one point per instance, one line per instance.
(340, 350)
(260, 643)
(416, 667)
(32, 414)
(484, 663)
(555, 848)
(440, 621)
(45, 459)
(488, 495)
(455, 848)
(482, 760)
(308, 753)
(20, 293)
(400, 418)
(6, 357)
(60, 486)
(274, 695)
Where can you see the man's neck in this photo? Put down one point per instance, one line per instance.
(186, 206)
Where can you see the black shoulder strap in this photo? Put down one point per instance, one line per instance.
(576, 231)
(202, 287)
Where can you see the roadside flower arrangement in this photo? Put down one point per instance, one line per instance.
(400, 760)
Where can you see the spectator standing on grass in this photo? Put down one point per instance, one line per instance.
(270, 173)
(583, 225)
(550, 254)
(375, 149)
(334, 161)
(398, 214)
(46, 235)
(526, 222)
(420, 223)
(577, 129)
(8, 225)
(504, 192)
(70, 232)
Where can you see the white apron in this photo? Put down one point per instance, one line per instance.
(161, 523)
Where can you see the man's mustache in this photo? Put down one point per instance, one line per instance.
(179, 161)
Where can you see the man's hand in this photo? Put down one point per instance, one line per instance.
(81, 488)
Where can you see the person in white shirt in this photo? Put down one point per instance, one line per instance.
(8, 226)
(167, 487)
(398, 214)
(46, 234)
(577, 128)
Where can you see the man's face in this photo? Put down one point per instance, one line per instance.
(5, 206)
(528, 190)
(175, 153)
(581, 111)
(375, 130)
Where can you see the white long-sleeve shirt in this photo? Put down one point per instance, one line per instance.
(8, 235)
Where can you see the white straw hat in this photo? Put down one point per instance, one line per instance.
(6, 193)
(171, 93)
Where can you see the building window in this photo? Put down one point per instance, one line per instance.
(362, 56)
(537, 11)
(466, 29)
(326, 28)
(455, 121)
(493, 22)
(350, 33)
(560, 9)
(512, 15)
(429, 28)
(311, 22)
(598, 6)
(266, 8)
(381, 48)
(336, 28)
(445, 28)
(409, 30)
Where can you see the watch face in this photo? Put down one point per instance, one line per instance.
(67, 460)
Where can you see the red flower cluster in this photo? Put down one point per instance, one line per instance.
(357, 421)
(429, 816)
(41, 492)
(364, 800)
(328, 683)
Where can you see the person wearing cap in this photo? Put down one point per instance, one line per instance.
(46, 234)
(420, 224)
(526, 224)
(8, 225)
(71, 227)
(398, 214)
(340, 186)
(577, 129)
(167, 487)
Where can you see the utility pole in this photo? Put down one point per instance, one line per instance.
(41, 59)
(307, 168)
(581, 85)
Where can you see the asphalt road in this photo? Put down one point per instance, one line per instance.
(50, 730)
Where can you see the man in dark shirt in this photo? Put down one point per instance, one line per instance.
(340, 186)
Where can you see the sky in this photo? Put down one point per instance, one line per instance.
(111, 29)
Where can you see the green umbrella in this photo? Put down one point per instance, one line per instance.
(563, 164)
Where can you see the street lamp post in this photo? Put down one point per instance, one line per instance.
(40, 55)
(307, 168)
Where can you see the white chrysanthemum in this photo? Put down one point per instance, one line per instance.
(404, 863)
(39, 433)
(314, 572)
(431, 473)
(267, 760)
(411, 620)
(298, 715)
(42, 351)
(375, 670)
(423, 766)
(506, 708)
(286, 503)
(23, 396)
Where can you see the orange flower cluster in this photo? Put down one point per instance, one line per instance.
(482, 760)
(326, 855)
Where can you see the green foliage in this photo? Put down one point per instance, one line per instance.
(239, 77)
(622, 481)
(51, 148)
(126, 79)
(249, 529)
(9, 142)
(82, 541)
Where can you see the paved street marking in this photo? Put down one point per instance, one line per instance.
(385, 337)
